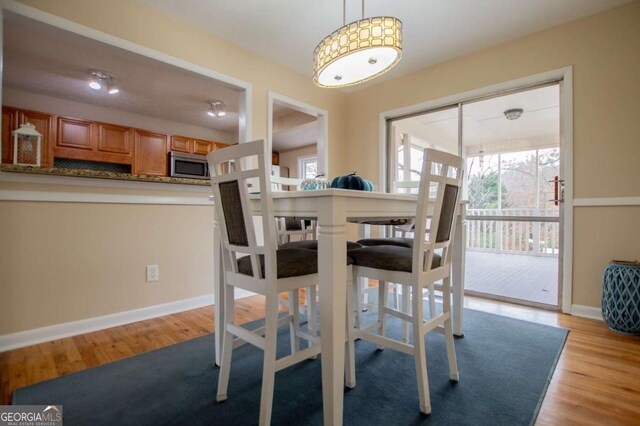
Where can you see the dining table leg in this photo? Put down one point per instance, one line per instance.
(332, 278)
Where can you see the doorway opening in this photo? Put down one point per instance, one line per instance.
(297, 135)
(513, 184)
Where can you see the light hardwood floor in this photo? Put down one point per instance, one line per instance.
(597, 380)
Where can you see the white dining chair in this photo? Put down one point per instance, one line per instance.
(428, 261)
(259, 268)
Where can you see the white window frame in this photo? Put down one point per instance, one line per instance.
(302, 160)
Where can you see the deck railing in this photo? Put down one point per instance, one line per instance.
(537, 238)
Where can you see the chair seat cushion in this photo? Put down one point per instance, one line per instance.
(388, 258)
(292, 262)
(313, 245)
(402, 242)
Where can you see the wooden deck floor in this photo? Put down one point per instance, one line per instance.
(517, 276)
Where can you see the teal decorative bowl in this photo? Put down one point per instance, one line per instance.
(621, 297)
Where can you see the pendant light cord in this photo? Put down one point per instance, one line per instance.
(344, 12)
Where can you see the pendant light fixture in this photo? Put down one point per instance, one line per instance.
(357, 52)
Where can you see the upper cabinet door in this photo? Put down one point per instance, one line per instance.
(114, 139)
(74, 133)
(203, 147)
(150, 153)
(181, 144)
(45, 126)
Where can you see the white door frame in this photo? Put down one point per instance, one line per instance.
(245, 132)
(565, 78)
(323, 125)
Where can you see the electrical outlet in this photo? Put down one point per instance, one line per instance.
(152, 273)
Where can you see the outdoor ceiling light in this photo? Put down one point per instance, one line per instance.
(357, 52)
(514, 113)
(217, 109)
(103, 80)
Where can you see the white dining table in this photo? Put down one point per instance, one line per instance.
(333, 209)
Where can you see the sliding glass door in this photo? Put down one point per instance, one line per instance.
(513, 185)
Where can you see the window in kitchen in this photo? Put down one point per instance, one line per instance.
(307, 167)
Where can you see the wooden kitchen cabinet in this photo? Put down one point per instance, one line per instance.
(203, 147)
(9, 124)
(191, 145)
(12, 118)
(115, 139)
(275, 159)
(151, 153)
(75, 134)
(93, 141)
(45, 125)
(181, 144)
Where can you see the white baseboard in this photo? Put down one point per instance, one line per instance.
(591, 312)
(73, 328)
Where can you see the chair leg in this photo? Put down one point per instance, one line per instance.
(294, 324)
(269, 362)
(312, 310)
(227, 346)
(396, 299)
(350, 351)
(406, 308)
(358, 296)
(432, 300)
(382, 304)
(448, 330)
(419, 352)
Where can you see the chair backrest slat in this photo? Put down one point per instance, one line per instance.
(443, 171)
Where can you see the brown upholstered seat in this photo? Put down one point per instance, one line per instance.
(390, 258)
(313, 245)
(291, 263)
(396, 241)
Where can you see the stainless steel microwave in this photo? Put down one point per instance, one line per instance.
(188, 165)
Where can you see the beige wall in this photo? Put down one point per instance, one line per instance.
(35, 101)
(78, 260)
(290, 158)
(604, 50)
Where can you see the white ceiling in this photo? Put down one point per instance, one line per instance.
(46, 60)
(485, 128)
(287, 31)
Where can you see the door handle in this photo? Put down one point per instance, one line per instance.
(558, 190)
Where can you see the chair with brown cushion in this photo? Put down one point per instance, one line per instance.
(428, 261)
(257, 268)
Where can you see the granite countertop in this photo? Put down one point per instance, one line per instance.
(101, 175)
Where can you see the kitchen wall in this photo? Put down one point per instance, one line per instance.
(290, 158)
(35, 101)
(64, 262)
(604, 50)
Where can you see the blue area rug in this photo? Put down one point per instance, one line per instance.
(505, 366)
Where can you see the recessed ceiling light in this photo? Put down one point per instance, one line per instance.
(513, 113)
(95, 85)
